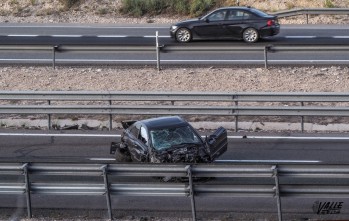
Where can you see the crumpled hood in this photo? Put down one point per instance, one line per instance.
(190, 153)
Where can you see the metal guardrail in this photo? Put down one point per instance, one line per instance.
(158, 49)
(312, 11)
(189, 188)
(176, 103)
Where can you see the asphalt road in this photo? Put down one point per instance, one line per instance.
(304, 35)
(289, 148)
(317, 149)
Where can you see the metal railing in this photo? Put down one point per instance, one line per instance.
(158, 49)
(175, 103)
(189, 188)
(312, 11)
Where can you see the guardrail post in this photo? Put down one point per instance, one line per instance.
(107, 192)
(110, 118)
(302, 119)
(157, 51)
(277, 191)
(49, 117)
(54, 49)
(236, 117)
(307, 15)
(191, 192)
(27, 190)
(266, 49)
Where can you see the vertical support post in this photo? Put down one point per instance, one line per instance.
(27, 190)
(236, 118)
(54, 49)
(110, 118)
(49, 117)
(302, 119)
(191, 192)
(277, 191)
(172, 103)
(157, 51)
(307, 15)
(266, 48)
(107, 192)
(237, 2)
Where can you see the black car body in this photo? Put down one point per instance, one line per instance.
(244, 23)
(167, 140)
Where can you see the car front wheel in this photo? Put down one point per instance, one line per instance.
(250, 35)
(183, 35)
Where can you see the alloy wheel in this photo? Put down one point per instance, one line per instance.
(250, 35)
(183, 35)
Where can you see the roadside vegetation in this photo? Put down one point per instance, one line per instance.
(140, 8)
(155, 7)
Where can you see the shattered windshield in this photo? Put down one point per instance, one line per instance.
(168, 137)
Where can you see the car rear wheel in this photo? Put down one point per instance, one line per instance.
(183, 35)
(250, 35)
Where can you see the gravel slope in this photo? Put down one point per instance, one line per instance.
(285, 79)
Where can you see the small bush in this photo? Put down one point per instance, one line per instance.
(198, 7)
(154, 7)
(328, 4)
(69, 3)
(180, 6)
(102, 11)
(290, 5)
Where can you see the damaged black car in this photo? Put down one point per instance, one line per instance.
(167, 140)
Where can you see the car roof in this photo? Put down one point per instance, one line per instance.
(236, 7)
(164, 122)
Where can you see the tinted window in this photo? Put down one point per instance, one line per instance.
(218, 15)
(236, 15)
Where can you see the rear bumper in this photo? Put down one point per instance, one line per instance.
(270, 31)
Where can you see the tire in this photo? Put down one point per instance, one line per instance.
(183, 35)
(250, 35)
(122, 156)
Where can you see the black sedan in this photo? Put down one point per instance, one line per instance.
(167, 140)
(244, 23)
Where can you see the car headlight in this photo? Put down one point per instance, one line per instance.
(174, 27)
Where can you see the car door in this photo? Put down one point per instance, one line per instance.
(234, 23)
(211, 25)
(217, 143)
(136, 144)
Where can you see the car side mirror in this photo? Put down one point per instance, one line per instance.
(207, 20)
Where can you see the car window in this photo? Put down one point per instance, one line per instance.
(167, 137)
(247, 16)
(217, 16)
(236, 15)
(143, 136)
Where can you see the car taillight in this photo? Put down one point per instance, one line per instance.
(270, 22)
